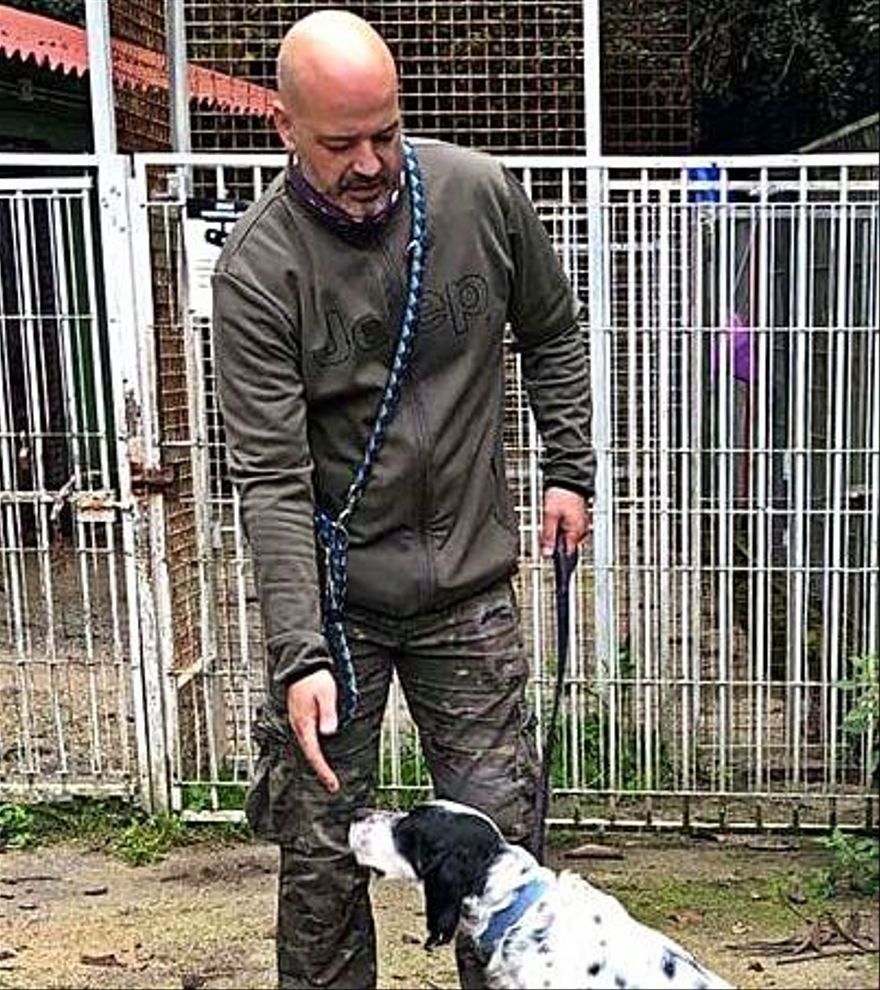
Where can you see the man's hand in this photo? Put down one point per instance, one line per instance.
(311, 708)
(567, 513)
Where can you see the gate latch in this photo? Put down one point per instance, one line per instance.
(219, 215)
(151, 480)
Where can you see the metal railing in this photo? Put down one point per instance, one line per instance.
(731, 584)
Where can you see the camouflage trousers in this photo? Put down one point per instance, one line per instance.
(464, 673)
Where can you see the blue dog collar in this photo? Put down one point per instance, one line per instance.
(507, 917)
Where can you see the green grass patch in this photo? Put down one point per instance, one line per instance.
(115, 826)
(200, 797)
(769, 901)
(725, 901)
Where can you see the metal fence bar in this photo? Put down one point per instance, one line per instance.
(759, 530)
(116, 524)
(682, 592)
(836, 503)
(871, 642)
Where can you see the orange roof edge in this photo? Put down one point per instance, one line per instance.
(64, 47)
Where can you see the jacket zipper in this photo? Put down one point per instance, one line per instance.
(425, 499)
(427, 580)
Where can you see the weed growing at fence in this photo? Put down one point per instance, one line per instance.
(24, 826)
(222, 796)
(863, 718)
(856, 859)
(412, 783)
(16, 827)
(855, 864)
(149, 840)
(596, 736)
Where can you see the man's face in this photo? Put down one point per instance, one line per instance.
(350, 152)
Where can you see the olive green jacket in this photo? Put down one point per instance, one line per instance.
(305, 323)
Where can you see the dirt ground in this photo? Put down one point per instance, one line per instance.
(203, 917)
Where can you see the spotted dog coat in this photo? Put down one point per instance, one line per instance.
(534, 928)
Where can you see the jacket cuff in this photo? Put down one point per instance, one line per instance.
(304, 669)
(587, 490)
(288, 669)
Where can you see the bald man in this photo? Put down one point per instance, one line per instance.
(310, 298)
(338, 112)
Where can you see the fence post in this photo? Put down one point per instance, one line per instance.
(603, 518)
(130, 361)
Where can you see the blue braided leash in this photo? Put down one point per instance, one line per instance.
(332, 533)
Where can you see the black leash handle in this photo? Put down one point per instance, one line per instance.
(564, 564)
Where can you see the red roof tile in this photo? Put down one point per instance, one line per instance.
(64, 47)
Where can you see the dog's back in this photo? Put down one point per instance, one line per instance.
(578, 936)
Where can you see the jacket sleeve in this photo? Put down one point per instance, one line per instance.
(262, 400)
(544, 318)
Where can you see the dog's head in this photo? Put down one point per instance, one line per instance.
(448, 847)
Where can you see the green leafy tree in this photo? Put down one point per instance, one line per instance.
(772, 75)
(69, 11)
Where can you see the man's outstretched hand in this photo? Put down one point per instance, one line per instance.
(311, 708)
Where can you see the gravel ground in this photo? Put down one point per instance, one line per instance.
(203, 917)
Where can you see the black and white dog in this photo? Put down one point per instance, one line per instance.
(533, 927)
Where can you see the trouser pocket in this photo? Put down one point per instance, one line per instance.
(264, 805)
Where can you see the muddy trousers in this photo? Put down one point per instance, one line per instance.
(464, 674)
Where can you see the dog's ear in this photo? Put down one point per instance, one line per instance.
(446, 884)
(451, 853)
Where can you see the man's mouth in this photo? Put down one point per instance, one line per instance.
(365, 194)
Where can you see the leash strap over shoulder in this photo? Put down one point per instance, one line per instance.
(332, 533)
(563, 567)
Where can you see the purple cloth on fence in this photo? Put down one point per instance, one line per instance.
(738, 338)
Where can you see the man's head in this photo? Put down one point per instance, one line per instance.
(337, 110)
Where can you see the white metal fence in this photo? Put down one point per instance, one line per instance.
(732, 580)
(66, 717)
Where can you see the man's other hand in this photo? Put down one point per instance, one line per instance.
(565, 512)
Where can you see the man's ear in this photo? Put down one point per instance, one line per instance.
(446, 885)
(283, 125)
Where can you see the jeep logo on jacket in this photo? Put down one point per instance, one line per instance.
(305, 324)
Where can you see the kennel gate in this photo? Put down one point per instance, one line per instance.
(76, 597)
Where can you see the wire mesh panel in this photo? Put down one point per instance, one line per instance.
(647, 101)
(142, 112)
(733, 322)
(504, 75)
(66, 719)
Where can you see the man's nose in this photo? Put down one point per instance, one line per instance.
(367, 162)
